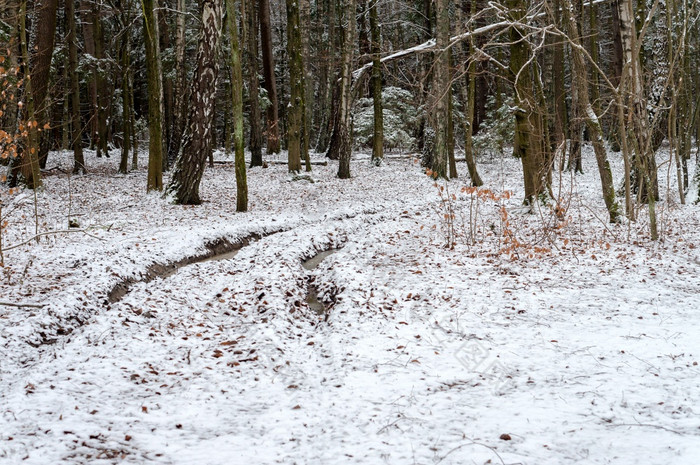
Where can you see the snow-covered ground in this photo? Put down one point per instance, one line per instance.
(546, 338)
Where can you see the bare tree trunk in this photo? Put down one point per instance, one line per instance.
(441, 91)
(76, 136)
(103, 96)
(179, 105)
(470, 108)
(168, 86)
(126, 99)
(580, 91)
(155, 96)
(376, 50)
(295, 110)
(255, 144)
(189, 167)
(237, 92)
(305, 29)
(27, 162)
(344, 133)
(528, 122)
(561, 123)
(273, 131)
(644, 165)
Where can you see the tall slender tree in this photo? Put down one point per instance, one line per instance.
(255, 144)
(189, 167)
(273, 130)
(76, 135)
(237, 95)
(155, 96)
(343, 130)
(376, 50)
(441, 91)
(295, 110)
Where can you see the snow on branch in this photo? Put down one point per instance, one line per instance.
(430, 45)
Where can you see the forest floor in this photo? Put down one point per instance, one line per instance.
(545, 338)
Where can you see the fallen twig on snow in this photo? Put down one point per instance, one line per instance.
(21, 305)
(50, 233)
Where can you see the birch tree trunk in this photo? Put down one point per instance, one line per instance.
(189, 167)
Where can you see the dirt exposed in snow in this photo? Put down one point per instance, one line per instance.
(545, 338)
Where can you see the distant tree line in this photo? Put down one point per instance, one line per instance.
(542, 77)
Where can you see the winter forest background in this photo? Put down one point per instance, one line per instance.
(367, 231)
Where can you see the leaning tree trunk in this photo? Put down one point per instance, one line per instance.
(76, 136)
(295, 110)
(237, 93)
(580, 92)
(343, 132)
(189, 167)
(155, 96)
(273, 131)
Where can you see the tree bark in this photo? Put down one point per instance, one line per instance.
(189, 167)
(295, 111)
(344, 128)
(155, 96)
(375, 48)
(255, 143)
(237, 92)
(580, 91)
(441, 91)
(528, 125)
(27, 162)
(179, 106)
(273, 132)
(76, 136)
(470, 101)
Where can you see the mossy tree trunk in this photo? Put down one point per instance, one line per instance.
(529, 130)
